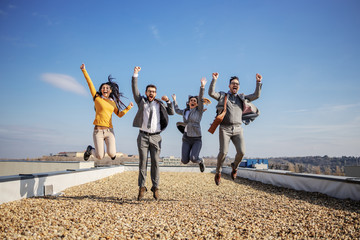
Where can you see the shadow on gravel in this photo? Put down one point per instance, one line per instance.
(115, 200)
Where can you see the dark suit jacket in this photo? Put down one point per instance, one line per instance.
(141, 101)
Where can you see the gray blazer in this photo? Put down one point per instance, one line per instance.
(220, 96)
(141, 100)
(195, 115)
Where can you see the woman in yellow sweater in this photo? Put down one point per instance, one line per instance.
(106, 100)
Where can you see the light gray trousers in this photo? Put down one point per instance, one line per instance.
(146, 144)
(235, 134)
(100, 136)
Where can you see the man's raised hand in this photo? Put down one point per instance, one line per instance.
(165, 98)
(258, 77)
(137, 70)
(215, 75)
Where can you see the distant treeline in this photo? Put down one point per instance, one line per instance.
(314, 164)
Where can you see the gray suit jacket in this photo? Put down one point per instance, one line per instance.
(141, 101)
(195, 115)
(220, 96)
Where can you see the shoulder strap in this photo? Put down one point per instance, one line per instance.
(222, 114)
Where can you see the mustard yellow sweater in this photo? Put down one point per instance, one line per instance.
(103, 107)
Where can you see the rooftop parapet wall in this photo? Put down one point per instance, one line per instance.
(335, 186)
(15, 167)
(29, 185)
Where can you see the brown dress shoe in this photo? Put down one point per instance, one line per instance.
(233, 172)
(217, 178)
(142, 191)
(155, 191)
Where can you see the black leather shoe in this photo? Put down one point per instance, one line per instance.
(202, 166)
(87, 153)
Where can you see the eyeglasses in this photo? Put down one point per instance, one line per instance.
(235, 83)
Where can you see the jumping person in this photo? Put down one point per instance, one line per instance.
(152, 119)
(107, 100)
(230, 127)
(191, 140)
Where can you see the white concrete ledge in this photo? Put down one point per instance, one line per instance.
(334, 186)
(16, 187)
(14, 167)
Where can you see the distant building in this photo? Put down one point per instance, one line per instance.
(81, 154)
(171, 161)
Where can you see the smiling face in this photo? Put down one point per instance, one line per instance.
(150, 93)
(105, 90)
(234, 86)
(193, 102)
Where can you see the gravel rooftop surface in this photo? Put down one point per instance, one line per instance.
(191, 206)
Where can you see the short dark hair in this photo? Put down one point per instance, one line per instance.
(233, 78)
(196, 97)
(150, 86)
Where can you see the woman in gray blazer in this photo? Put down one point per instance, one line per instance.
(191, 140)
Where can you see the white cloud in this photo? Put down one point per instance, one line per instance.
(45, 18)
(155, 32)
(64, 82)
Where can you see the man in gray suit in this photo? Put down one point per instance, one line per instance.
(230, 127)
(152, 119)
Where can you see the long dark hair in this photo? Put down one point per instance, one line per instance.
(115, 93)
(190, 97)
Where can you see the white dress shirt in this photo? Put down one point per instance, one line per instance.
(155, 120)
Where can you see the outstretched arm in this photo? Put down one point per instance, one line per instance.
(201, 94)
(123, 112)
(212, 92)
(256, 94)
(134, 85)
(177, 110)
(88, 80)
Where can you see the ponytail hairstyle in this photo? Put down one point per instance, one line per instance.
(115, 93)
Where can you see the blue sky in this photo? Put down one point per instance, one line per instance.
(307, 51)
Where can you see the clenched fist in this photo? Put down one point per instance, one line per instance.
(215, 75)
(258, 77)
(137, 69)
